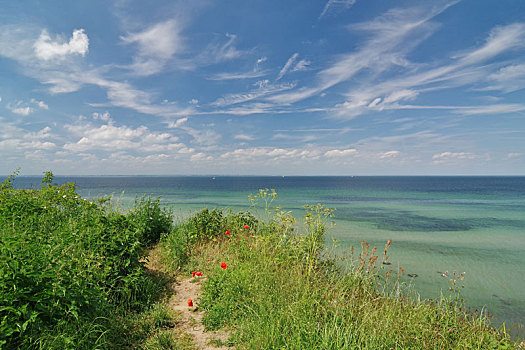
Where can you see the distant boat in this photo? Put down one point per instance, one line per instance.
(213, 178)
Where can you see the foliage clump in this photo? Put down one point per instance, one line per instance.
(68, 263)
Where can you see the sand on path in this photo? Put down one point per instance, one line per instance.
(191, 317)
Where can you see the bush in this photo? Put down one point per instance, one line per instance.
(66, 263)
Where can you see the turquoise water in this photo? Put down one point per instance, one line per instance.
(468, 224)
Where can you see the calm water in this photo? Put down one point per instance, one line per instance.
(471, 224)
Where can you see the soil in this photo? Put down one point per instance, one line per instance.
(191, 317)
(190, 320)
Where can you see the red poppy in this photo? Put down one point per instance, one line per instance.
(246, 227)
(198, 273)
(194, 273)
(223, 265)
(227, 233)
(190, 303)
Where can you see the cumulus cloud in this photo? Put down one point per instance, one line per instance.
(269, 153)
(452, 156)
(106, 117)
(178, 123)
(22, 110)
(47, 49)
(335, 153)
(40, 104)
(110, 137)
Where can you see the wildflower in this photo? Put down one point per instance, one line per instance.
(64, 196)
(198, 274)
(227, 233)
(190, 303)
(194, 273)
(223, 265)
(247, 227)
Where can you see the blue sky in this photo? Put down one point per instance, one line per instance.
(331, 87)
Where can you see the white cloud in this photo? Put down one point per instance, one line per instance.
(47, 49)
(269, 153)
(287, 65)
(177, 123)
(227, 51)
(301, 65)
(514, 155)
(200, 157)
(106, 117)
(238, 75)
(500, 39)
(264, 89)
(22, 110)
(508, 79)
(335, 153)
(156, 46)
(336, 5)
(40, 104)
(389, 154)
(193, 101)
(161, 40)
(244, 137)
(490, 109)
(109, 137)
(203, 137)
(452, 156)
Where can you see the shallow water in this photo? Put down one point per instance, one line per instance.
(471, 224)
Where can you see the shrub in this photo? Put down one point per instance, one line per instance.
(67, 264)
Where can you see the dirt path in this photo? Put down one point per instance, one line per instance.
(190, 318)
(190, 288)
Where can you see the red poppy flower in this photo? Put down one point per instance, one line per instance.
(190, 303)
(223, 265)
(246, 227)
(194, 273)
(227, 233)
(198, 273)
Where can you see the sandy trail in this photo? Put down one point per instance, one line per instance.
(190, 318)
(191, 323)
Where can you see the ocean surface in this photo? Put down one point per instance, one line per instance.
(467, 224)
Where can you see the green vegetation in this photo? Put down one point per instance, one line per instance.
(70, 269)
(73, 276)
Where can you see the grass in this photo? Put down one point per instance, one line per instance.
(74, 277)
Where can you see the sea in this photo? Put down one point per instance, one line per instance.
(437, 224)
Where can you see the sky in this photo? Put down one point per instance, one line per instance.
(262, 87)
